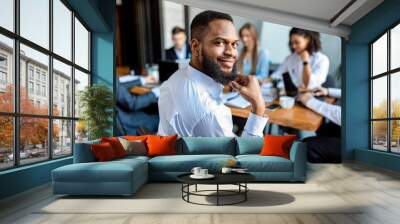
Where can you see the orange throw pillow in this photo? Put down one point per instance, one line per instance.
(277, 145)
(161, 145)
(103, 152)
(116, 145)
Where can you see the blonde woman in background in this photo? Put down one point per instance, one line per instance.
(252, 59)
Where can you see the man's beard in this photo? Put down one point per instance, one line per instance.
(213, 70)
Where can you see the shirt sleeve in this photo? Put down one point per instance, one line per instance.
(280, 70)
(262, 65)
(332, 112)
(218, 125)
(335, 92)
(255, 125)
(319, 72)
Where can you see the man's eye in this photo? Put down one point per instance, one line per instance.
(219, 43)
(235, 45)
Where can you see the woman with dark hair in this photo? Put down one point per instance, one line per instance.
(252, 59)
(307, 66)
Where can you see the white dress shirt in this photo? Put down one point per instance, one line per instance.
(180, 53)
(330, 111)
(294, 65)
(190, 104)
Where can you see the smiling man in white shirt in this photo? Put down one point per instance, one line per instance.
(190, 101)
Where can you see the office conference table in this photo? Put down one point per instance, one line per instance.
(298, 117)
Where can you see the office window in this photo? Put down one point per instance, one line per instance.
(62, 137)
(34, 21)
(45, 117)
(62, 29)
(81, 45)
(395, 47)
(6, 142)
(7, 84)
(81, 81)
(385, 95)
(61, 73)
(33, 141)
(7, 14)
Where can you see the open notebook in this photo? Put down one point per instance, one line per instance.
(238, 102)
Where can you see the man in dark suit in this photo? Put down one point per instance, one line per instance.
(181, 49)
(136, 112)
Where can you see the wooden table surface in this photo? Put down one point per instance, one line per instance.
(298, 117)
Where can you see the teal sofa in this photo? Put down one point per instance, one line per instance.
(125, 176)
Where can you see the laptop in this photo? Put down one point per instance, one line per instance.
(290, 88)
(166, 69)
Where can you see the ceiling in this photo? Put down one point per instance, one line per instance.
(328, 16)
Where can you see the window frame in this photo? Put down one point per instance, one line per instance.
(388, 74)
(16, 115)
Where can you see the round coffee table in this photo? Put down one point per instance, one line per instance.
(238, 179)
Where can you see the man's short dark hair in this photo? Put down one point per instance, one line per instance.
(200, 22)
(177, 30)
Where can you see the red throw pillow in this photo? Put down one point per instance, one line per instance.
(277, 145)
(103, 152)
(161, 145)
(116, 145)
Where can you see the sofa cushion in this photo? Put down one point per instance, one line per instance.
(206, 145)
(161, 145)
(185, 163)
(103, 152)
(112, 171)
(249, 145)
(257, 163)
(134, 147)
(83, 152)
(277, 145)
(116, 145)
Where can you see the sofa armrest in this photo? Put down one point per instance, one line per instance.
(298, 155)
(83, 152)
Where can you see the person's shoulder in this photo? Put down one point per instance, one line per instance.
(291, 57)
(179, 75)
(263, 53)
(320, 56)
(170, 49)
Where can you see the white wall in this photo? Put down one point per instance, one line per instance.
(173, 15)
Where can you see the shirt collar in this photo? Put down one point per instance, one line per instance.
(183, 49)
(205, 82)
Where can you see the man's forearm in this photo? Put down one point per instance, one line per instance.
(258, 107)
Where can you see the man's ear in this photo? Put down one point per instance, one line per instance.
(195, 47)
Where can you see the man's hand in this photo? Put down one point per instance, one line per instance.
(320, 91)
(305, 97)
(249, 88)
(149, 79)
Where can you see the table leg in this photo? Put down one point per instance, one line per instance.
(245, 193)
(217, 194)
